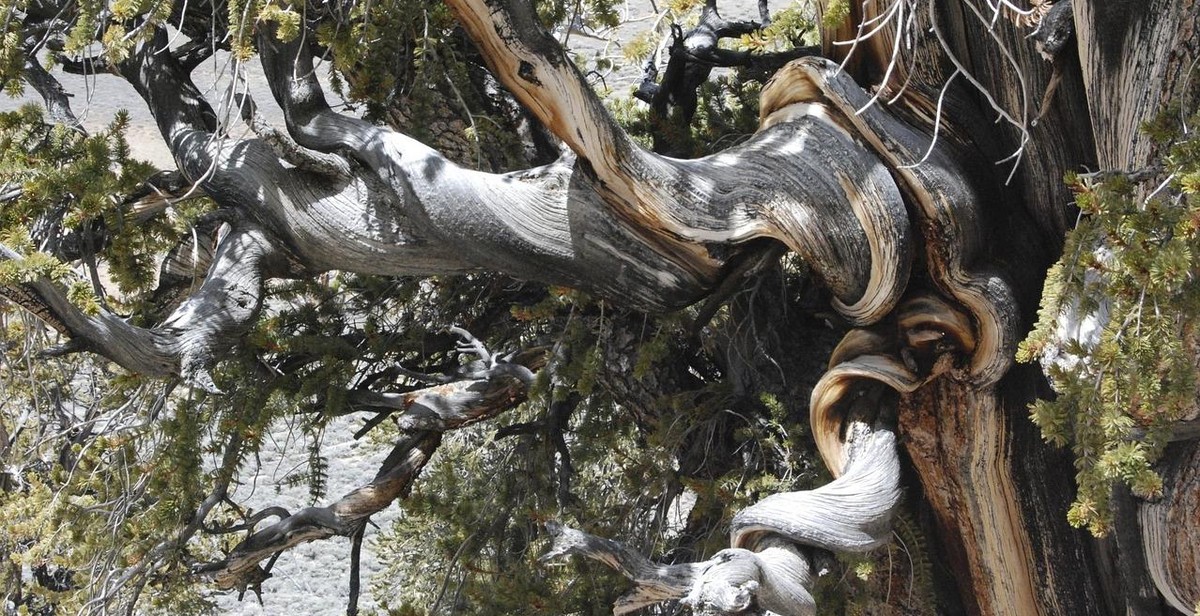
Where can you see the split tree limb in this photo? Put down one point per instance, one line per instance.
(734, 580)
(240, 568)
(427, 414)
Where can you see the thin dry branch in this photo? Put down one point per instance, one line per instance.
(481, 395)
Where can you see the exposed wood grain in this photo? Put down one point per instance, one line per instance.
(956, 440)
(769, 564)
(1171, 529)
(1152, 44)
(834, 173)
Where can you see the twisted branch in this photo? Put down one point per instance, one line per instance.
(427, 413)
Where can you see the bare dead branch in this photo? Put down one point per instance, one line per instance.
(427, 413)
(58, 105)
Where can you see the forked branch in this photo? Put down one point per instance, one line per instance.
(425, 414)
(190, 339)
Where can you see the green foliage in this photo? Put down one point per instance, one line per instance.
(658, 449)
(896, 579)
(35, 266)
(119, 26)
(475, 522)
(286, 19)
(836, 13)
(12, 57)
(119, 496)
(104, 470)
(1133, 254)
(793, 26)
(597, 14)
(246, 16)
(638, 49)
(106, 499)
(67, 180)
(726, 115)
(648, 456)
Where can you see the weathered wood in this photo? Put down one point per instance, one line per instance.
(847, 178)
(1152, 44)
(240, 567)
(497, 386)
(1053, 566)
(193, 335)
(769, 564)
(956, 440)
(645, 190)
(1171, 528)
(775, 577)
(622, 222)
(654, 582)
(850, 514)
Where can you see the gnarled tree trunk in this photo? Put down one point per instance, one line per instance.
(881, 174)
(997, 494)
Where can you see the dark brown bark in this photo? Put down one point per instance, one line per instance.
(999, 504)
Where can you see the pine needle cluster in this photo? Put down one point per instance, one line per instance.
(1117, 330)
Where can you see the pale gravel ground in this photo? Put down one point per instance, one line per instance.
(313, 578)
(310, 580)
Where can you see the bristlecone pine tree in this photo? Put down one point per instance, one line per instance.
(785, 302)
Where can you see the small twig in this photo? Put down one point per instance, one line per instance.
(1137, 176)
(371, 422)
(250, 522)
(450, 569)
(731, 284)
(471, 344)
(355, 555)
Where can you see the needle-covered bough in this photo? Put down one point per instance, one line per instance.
(609, 217)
